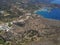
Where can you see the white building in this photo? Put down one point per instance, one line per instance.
(5, 27)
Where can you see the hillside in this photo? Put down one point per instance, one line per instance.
(20, 26)
(32, 30)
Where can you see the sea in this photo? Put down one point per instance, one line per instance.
(49, 13)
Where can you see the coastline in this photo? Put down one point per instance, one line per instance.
(45, 17)
(48, 18)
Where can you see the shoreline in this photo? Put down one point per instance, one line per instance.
(45, 17)
(48, 18)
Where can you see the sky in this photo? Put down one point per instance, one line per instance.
(56, 1)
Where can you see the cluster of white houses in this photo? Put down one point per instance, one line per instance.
(5, 27)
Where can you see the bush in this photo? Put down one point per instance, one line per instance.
(1, 41)
(9, 24)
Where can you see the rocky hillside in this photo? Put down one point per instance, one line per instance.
(27, 28)
(32, 30)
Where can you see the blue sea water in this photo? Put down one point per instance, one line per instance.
(53, 14)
